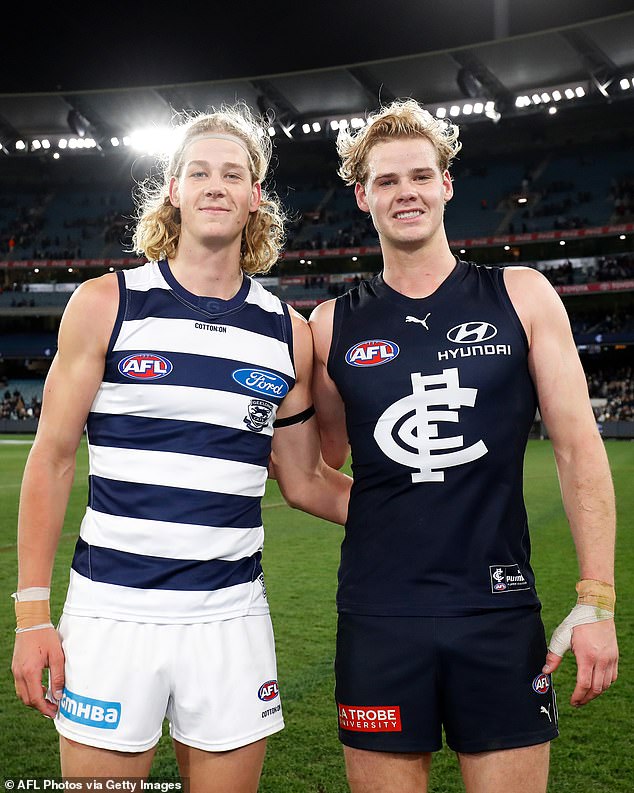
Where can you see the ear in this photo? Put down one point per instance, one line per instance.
(173, 192)
(447, 186)
(256, 197)
(359, 194)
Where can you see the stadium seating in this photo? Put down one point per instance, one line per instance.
(565, 186)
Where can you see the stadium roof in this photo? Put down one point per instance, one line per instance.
(591, 56)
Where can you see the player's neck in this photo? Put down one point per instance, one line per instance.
(207, 273)
(417, 273)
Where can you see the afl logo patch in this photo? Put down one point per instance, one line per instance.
(261, 381)
(472, 332)
(268, 690)
(541, 684)
(373, 352)
(145, 366)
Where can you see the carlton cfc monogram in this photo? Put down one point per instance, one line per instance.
(417, 444)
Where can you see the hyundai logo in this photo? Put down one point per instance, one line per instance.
(472, 332)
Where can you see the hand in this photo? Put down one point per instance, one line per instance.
(595, 648)
(34, 652)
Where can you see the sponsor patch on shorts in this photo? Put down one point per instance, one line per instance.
(379, 718)
(91, 712)
(507, 578)
(541, 684)
(268, 690)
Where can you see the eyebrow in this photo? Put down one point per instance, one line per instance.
(391, 175)
(226, 164)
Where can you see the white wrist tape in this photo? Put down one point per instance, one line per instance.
(580, 615)
(32, 593)
(35, 627)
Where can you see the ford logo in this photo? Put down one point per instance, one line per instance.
(261, 382)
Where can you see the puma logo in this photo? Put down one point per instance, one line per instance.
(422, 322)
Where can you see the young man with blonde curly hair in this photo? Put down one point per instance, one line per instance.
(432, 371)
(191, 379)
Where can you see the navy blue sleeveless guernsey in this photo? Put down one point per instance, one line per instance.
(179, 437)
(439, 405)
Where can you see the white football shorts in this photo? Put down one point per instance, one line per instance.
(215, 682)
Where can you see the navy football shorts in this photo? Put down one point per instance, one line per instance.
(401, 681)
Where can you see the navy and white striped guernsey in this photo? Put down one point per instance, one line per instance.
(439, 404)
(179, 436)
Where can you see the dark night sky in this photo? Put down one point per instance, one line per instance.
(112, 45)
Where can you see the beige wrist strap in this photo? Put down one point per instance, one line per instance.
(32, 609)
(591, 592)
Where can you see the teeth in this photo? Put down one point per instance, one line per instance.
(412, 214)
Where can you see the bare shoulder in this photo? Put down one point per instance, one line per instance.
(322, 314)
(98, 292)
(520, 279)
(297, 319)
(302, 342)
(91, 310)
(301, 331)
(533, 297)
(77, 369)
(321, 325)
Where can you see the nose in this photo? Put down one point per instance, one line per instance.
(215, 186)
(406, 193)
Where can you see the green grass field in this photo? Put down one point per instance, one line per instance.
(592, 755)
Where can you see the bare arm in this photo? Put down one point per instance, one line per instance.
(582, 464)
(70, 387)
(305, 480)
(331, 413)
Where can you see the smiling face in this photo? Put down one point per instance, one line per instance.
(405, 193)
(214, 192)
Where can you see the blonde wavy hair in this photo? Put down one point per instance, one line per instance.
(403, 118)
(158, 223)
